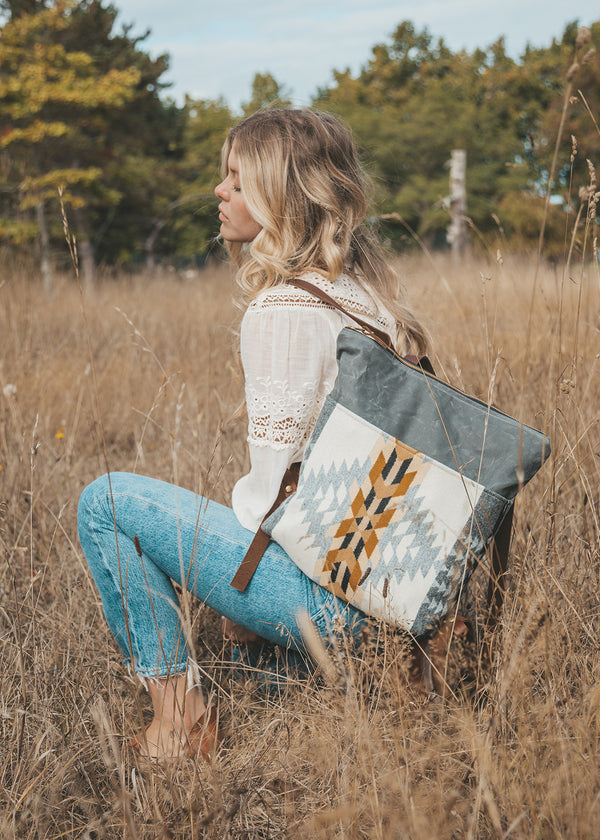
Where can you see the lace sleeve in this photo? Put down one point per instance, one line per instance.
(289, 364)
(287, 357)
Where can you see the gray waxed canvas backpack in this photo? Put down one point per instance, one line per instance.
(403, 487)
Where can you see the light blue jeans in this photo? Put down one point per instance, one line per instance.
(139, 534)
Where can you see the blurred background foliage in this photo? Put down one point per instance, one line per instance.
(83, 109)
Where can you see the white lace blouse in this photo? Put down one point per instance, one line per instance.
(288, 348)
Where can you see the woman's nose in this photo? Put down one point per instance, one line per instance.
(220, 191)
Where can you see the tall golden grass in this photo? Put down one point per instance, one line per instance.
(143, 375)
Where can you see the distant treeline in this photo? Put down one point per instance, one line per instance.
(84, 113)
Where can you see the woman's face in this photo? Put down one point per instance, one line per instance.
(237, 225)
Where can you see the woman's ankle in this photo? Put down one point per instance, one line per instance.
(175, 705)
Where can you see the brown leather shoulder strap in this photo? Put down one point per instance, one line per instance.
(422, 362)
(379, 335)
(252, 557)
(261, 540)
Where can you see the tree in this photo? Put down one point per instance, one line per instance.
(411, 106)
(140, 145)
(81, 110)
(575, 77)
(415, 101)
(189, 222)
(192, 222)
(41, 85)
(566, 76)
(12, 9)
(266, 93)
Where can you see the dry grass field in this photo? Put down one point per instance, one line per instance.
(143, 375)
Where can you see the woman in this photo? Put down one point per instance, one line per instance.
(292, 204)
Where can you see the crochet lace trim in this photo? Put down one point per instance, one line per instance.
(277, 415)
(345, 291)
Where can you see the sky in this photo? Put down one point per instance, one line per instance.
(217, 47)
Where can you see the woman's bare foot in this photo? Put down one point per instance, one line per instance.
(180, 726)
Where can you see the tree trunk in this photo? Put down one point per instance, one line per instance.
(85, 252)
(45, 264)
(457, 231)
(87, 266)
(151, 242)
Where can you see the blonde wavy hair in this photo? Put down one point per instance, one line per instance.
(302, 181)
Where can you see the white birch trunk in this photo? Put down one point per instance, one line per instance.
(457, 231)
(45, 264)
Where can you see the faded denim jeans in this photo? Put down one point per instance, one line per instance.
(139, 534)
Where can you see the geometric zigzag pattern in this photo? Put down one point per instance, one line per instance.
(354, 549)
(391, 531)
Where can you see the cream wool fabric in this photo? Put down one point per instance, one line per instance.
(374, 522)
(288, 348)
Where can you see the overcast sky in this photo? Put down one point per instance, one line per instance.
(217, 47)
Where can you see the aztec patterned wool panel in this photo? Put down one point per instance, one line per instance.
(394, 532)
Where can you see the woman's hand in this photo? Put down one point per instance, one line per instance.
(239, 635)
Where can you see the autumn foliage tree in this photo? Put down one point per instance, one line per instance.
(81, 113)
